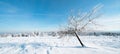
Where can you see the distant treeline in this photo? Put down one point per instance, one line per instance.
(105, 33)
(69, 33)
(59, 33)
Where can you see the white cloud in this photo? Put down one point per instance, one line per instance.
(110, 23)
(8, 8)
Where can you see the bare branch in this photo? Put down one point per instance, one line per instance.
(81, 21)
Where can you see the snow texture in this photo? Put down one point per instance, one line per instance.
(55, 45)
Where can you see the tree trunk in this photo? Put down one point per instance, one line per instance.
(79, 39)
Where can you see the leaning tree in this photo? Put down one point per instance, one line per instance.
(81, 21)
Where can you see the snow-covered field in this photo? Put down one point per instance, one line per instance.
(55, 45)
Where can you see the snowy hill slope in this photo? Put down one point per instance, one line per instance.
(54, 45)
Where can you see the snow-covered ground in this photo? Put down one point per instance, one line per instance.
(55, 45)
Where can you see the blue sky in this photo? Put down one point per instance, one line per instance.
(38, 15)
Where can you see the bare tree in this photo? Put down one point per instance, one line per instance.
(81, 22)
